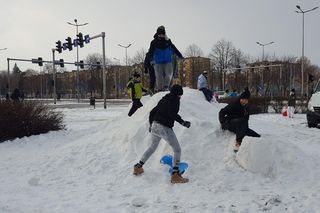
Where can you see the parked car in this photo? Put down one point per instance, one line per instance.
(219, 94)
(313, 112)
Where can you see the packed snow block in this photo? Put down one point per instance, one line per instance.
(258, 156)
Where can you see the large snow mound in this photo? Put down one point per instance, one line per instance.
(88, 167)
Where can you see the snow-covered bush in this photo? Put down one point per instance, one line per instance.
(19, 119)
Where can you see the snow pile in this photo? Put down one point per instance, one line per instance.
(88, 167)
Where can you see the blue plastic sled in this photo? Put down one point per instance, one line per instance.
(167, 160)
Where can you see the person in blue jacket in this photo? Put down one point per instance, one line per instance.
(161, 49)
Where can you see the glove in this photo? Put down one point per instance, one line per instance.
(224, 126)
(186, 124)
(150, 128)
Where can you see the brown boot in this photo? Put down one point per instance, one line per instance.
(176, 178)
(137, 169)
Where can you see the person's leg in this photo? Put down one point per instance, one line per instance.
(252, 133)
(152, 82)
(158, 70)
(136, 104)
(154, 144)
(172, 140)
(168, 70)
(238, 126)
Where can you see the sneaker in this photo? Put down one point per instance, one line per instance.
(137, 169)
(236, 147)
(176, 178)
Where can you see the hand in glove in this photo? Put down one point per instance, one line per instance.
(224, 126)
(186, 124)
(150, 128)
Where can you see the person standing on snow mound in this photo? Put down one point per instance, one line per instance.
(203, 85)
(235, 118)
(161, 119)
(161, 50)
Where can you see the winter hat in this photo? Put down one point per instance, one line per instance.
(176, 90)
(293, 90)
(204, 72)
(161, 30)
(136, 75)
(246, 94)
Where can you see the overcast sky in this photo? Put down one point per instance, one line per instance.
(30, 28)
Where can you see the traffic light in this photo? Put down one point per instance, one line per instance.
(69, 43)
(40, 62)
(80, 39)
(81, 64)
(87, 39)
(59, 46)
(61, 63)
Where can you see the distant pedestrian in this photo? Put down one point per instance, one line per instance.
(233, 93)
(161, 50)
(161, 119)
(291, 103)
(136, 88)
(15, 96)
(235, 118)
(203, 85)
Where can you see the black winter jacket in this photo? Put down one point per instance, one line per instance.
(166, 111)
(232, 111)
(163, 43)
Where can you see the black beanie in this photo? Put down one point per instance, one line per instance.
(246, 94)
(136, 75)
(161, 30)
(176, 90)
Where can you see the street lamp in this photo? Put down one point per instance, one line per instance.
(8, 73)
(263, 47)
(126, 47)
(78, 83)
(302, 59)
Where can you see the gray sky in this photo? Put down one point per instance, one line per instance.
(30, 28)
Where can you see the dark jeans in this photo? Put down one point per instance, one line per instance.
(241, 128)
(136, 104)
(152, 81)
(207, 93)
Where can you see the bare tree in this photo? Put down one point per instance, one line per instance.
(139, 57)
(193, 51)
(221, 55)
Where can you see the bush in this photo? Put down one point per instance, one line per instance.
(19, 119)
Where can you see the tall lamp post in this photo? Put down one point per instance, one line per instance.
(263, 47)
(8, 73)
(126, 47)
(78, 82)
(302, 59)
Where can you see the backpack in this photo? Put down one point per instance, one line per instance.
(162, 56)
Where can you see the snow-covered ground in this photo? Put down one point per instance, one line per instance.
(88, 167)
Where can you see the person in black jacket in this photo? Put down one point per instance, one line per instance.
(161, 50)
(235, 118)
(161, 119)
(148, 68)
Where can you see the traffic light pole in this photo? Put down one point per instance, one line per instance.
(8, 77)
(54, 77)
(53, 62)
